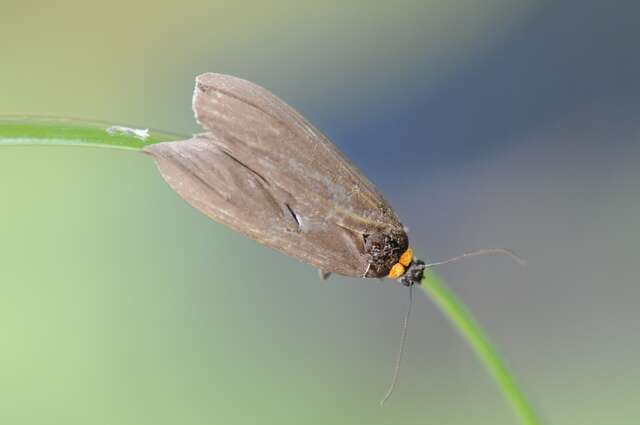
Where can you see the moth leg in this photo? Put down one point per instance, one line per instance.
(323, 275)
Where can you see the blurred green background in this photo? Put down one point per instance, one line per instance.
(515, 124)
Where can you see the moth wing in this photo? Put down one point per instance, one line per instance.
(275, 141)
(231, 192)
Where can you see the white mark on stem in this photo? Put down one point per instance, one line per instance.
(135, 132)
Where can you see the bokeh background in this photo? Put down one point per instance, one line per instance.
(485, 123)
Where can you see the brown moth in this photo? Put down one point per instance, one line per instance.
(266, 172)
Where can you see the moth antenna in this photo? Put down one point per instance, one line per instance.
(485, 251)
(403, 342)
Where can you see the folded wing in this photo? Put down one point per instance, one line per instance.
(263, 170)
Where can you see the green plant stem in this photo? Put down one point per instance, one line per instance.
(26, 131)
(470, 330)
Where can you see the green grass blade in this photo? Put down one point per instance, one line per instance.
(462, 319)
(66, 132)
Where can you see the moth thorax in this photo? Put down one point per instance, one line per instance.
(384, 250)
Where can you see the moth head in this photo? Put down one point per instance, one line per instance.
(385, 249)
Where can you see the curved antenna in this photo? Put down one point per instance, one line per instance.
(485, 251)
(403, 342)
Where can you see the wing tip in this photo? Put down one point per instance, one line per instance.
(206, 78)
(215, 80)
(203, 85)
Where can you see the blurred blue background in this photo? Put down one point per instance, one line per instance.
(485, 123)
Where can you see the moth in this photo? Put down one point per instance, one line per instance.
(263, 170)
